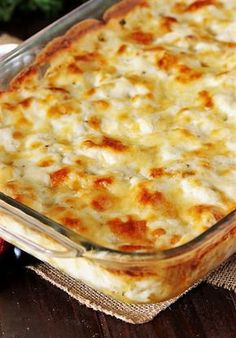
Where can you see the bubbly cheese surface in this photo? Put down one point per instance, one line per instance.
(127, 135)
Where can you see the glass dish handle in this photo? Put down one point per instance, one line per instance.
(29, 244)
(11, 214)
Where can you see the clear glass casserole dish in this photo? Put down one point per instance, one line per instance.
(130, 277)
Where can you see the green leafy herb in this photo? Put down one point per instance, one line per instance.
(49, 7)
(7, 8)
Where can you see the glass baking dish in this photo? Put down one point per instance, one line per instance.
(130, 277)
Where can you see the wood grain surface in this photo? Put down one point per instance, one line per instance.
(32, 308)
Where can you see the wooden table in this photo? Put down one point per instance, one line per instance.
(32, 308)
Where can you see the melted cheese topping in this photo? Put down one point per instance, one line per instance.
(129, 136)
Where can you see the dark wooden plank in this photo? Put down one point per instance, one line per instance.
(204, 312)
(30, 307)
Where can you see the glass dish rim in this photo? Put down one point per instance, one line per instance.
(88, 245)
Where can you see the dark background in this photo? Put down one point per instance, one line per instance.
(25, 24)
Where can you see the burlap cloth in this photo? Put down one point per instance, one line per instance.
(224, 276)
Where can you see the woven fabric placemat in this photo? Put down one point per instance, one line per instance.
(224, 276)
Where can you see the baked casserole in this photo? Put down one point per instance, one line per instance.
(123, 130)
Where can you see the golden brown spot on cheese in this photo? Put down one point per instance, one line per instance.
(27, 199)
(101, 104)
(123, 116)
(75, 186)
(17, 134)
(209, 145)
(54, 111)
(73, 223)
(74, 69)
(90, 91)
(36, 144)
(144, 4)
(59, 176)
(167, 61)
(59, 208)
(206, 99)
(141, 37)
(107, 142)
(79, 161)
(103, 182)
(188, 173)
(58, 89)
(158, 232)
(102, 202)
(187, 74)
(7, 105)
(154, 198)
(19, 198)
(167, 23)
(122, 49)
(46, 162)
(179, 7)
(113, 143)
(94, 122)
(154, 48)
(131, 229)
(23, 121)
(191, 37)
(185, 132)
(196, 5)
(205, 164)
(157, 172)
(59, 109)
(70, 201)
(175, 239)
(26, 103)
(231, 44)
(87, 57)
